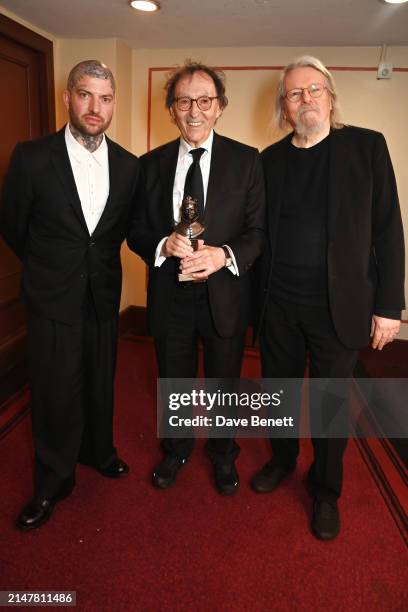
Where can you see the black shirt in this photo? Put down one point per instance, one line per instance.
(299, 271)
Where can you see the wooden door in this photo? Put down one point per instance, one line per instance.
(27, 112)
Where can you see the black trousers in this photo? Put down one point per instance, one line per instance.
(71, 375)
(190, 320)
(290, 333)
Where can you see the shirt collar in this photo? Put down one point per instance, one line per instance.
(185, 148)
(79, 152)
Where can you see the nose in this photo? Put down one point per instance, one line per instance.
(194, 110)
(306, 95)
(94, 104)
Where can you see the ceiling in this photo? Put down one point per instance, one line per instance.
(222, 23)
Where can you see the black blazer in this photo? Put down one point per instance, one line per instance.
(234, 215)
(365, 251)
(41, 220)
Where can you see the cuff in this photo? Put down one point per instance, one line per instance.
(158, 258)
(388, 314)
(233, 268)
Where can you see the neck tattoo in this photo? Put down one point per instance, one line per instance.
(91, 143)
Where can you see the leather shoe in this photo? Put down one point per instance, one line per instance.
(38, 511)
(268, 478)
(325, 520)
(165, 473)
(116, 469)
(226, 478)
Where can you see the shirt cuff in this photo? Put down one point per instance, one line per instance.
(158, 258)
(233, 268)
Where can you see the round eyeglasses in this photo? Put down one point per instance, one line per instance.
(314, 90)
(184, 103)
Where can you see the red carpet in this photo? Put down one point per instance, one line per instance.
(391, 362)
(127, 546)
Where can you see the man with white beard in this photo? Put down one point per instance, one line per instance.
(333, 271)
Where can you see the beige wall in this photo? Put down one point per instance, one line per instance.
(379, 105)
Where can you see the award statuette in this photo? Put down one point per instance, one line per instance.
(190, 227)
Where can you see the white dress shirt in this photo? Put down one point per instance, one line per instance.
(184, 162)
(91, 174)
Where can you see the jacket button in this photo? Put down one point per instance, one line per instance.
(91, 244)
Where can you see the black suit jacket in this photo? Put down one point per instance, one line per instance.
(365, 238)
(41, 219)
(234, 215)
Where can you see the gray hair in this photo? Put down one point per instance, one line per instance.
(92, 68)
(307, 61)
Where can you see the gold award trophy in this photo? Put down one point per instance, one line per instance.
(190, 227)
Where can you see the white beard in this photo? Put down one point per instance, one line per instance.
(305, 131)
(307, 123)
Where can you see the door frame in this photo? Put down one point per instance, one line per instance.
(13, 352)
(45, 49)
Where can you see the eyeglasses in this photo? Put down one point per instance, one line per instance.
(314, 90)
(184, 103)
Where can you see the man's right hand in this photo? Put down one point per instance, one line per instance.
(176, 246)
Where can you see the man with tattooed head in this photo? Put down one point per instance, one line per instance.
(66, 206)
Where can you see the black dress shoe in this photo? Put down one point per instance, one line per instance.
(226, 479)
(116, 469)
(268, 478)
(38, 511)
(325, 520)
(165, 473)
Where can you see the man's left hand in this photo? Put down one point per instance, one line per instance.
(383, 331)
(202, 263)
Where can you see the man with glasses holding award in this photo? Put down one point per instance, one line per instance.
(201, 294)
(333, 268)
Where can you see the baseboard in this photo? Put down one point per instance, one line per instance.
(390, 477)
(134, 319)
(13, 364)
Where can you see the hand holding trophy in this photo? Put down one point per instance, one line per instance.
(189, 227)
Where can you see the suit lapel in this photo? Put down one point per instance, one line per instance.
(338, 164)
(115, 169)
(168, 165)
(275, 183)
(215, 180)
(62, 165)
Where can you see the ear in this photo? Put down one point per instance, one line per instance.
(283, 110)
(66, 98)
(171, 112)
(219, 111)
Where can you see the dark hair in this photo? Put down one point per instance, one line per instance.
(93, 68)
(188, 69)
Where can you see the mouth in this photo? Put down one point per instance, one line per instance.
(194, 123)
(307, 110)
(93, 119)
